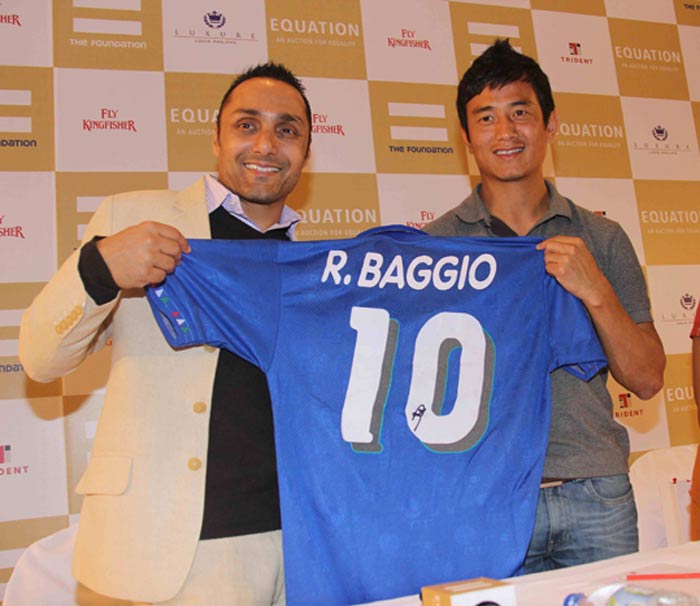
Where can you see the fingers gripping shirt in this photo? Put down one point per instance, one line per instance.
(410, 384)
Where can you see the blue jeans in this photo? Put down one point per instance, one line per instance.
(583, 521)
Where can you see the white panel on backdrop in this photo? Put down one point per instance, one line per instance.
(614, 197)
(33, 460)
(27, 226)
(342, 126)
(415, 200)
(674, 290)
(413, 45)
(507, 3)
(644, 437)
(659, 11)
(182, 180)
(110, 120)
(26, 33)
(575, 52)
(199, 39)
(661, 138)
(120, 5)
(690, 45)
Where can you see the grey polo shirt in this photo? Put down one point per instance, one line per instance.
(584, 439)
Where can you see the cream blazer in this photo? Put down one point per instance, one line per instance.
(144, 485)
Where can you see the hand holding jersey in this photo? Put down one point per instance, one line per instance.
(143, 254)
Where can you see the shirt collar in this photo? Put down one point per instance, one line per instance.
(474, 209)
(219, 195)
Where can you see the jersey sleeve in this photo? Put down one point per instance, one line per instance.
(573, 341)
(225, 294)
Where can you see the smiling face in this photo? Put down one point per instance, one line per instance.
(507, 134)
(262, 142)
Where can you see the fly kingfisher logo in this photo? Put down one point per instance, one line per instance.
(5, 454)
(322, 125)
(9, 18)
(408, 39)
(109, 120)
(575, 55)
(426, 216)
(10, 231)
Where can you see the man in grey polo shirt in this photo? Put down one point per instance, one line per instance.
(586, 509)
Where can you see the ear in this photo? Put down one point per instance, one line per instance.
(215, 142)
(465, 138)
(552, 126)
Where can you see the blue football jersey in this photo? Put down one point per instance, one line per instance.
(409, 377)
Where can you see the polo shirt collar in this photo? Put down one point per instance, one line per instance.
(473, 210)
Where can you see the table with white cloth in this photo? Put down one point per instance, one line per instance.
(550, 588)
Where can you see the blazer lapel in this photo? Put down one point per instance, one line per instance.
(190, 208)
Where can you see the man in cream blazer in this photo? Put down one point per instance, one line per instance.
(144, 488)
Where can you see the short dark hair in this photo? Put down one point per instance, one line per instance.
(275, 71)
(498, 65)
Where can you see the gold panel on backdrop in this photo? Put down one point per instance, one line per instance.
(474, 27)
(335, 206)
(591, 140)
(106, 38)
(192, 105)
(669, 217)
(14, 384)
(77, 196)
(316, 37)
(26, 118)
(416, 129)
(648, 59)
(590, 7)
(680, 405)
(687, 12)
(18, 295)
(21, 533)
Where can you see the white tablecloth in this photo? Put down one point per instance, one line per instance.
(550, 588)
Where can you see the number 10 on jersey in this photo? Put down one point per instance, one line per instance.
(371, 377)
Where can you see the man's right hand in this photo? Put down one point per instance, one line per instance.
(143, 254)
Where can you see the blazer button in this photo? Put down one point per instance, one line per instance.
(209, 349)
(199, 407)
(194, 464)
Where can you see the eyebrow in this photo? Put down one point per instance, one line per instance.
(488, 108)
(283, 117)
